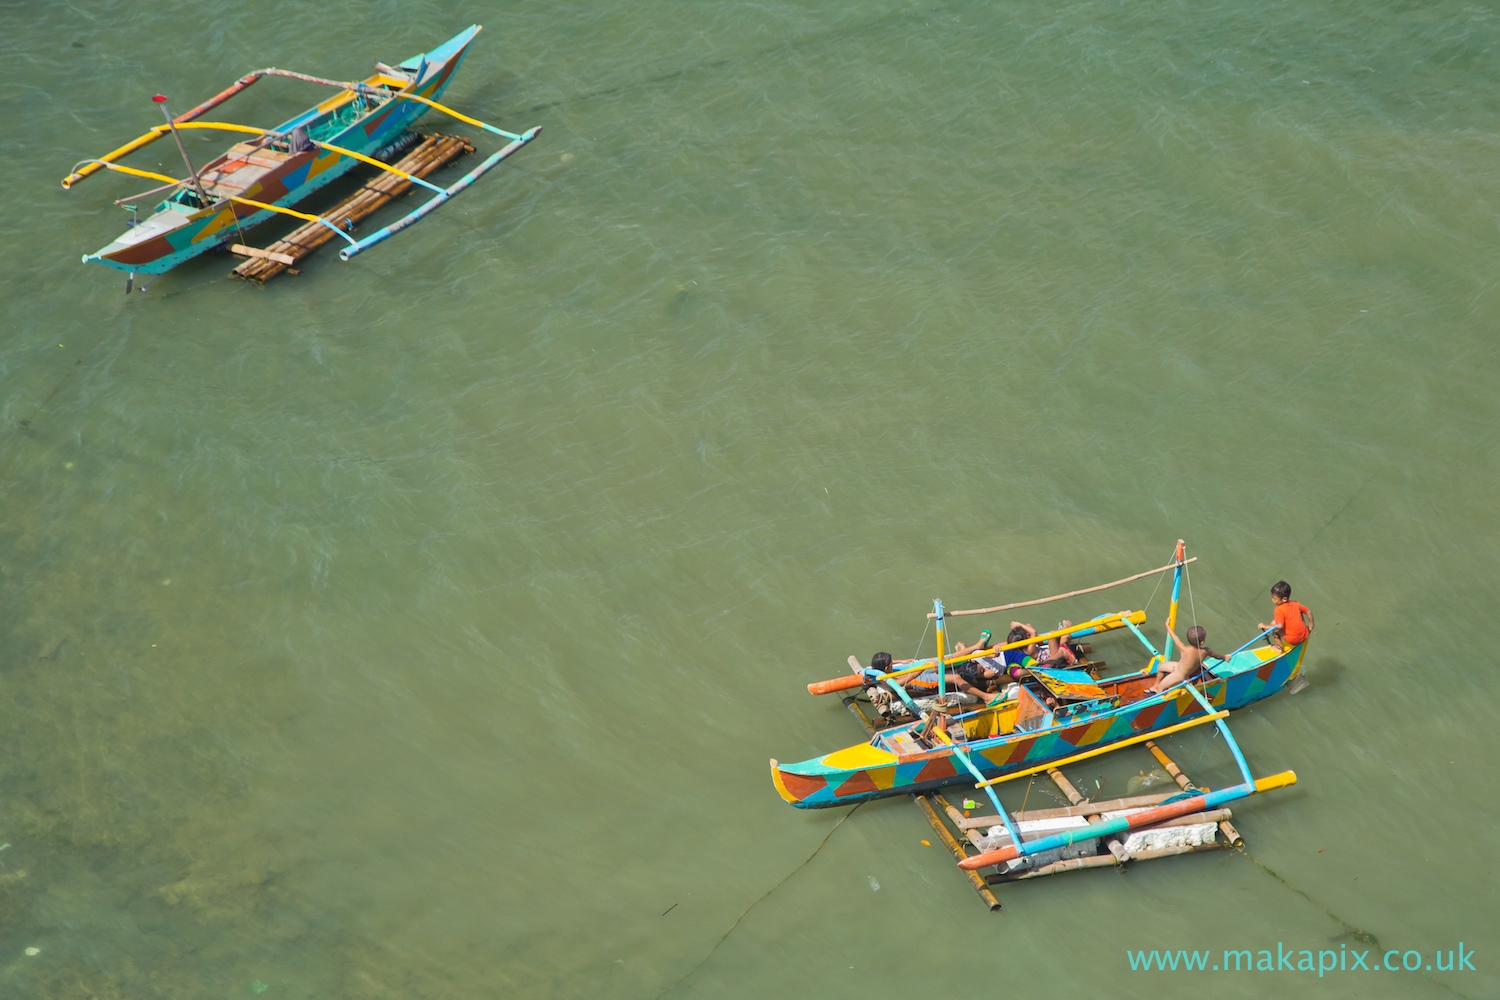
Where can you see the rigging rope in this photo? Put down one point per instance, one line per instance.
(1156, 588)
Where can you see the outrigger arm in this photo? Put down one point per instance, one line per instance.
(183, 120)
(1183, 805)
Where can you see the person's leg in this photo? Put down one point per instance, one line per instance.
(1168, 674)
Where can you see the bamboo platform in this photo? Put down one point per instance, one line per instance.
(963, 835)
(431, 154)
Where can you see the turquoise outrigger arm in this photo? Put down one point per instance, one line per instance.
(437, 200)
(1142, 636)
(1010, 826)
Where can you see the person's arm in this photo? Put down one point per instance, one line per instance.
(1307, 613)
(1180, 644)
(1029, 630)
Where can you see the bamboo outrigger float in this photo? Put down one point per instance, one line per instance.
(276, 168)
(1050, 719)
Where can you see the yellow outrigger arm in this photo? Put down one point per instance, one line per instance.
(157, 131)
(104, 161)
(153, 175)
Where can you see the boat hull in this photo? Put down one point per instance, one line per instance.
(169, 241)
(866, 771)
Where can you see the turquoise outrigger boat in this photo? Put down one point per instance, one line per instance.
(1052, 718)
(262, 176)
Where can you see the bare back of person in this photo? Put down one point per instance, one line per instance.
(1191, 655)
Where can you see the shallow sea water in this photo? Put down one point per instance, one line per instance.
(419, 627)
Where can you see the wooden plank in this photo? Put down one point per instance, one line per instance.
(1083, 809)
(280, 258)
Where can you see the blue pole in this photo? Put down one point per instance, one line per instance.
(937, 611)
(1234, 748)
(432, 203)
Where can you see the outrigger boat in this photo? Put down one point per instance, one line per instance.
(262, 176)
(1050, 719)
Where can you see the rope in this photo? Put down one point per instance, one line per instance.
(1155, 589)
(1191, 603)
(778, 885)
(918, 652)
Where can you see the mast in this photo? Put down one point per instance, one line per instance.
(161, 102)
(937, 611)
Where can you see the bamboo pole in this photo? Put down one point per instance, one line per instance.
(429, 156)
(1058, 812)
(1071, 593)
(1116, 848)
(1144, 818)
(957, 850)
(938, 827)
(1186, 784)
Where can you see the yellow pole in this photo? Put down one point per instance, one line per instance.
(1104, 749)
(942, 668)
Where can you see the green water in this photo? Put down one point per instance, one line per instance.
(420, 627)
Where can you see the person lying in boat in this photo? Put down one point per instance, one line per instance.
(925, 683)
(982, 643)
(1192, 654)
(1293, 622)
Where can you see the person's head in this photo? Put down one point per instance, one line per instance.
(1197, 636)
(881, 662)
(1017, 634)
(1281, 592)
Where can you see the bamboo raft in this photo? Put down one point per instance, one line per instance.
(431, 154)
(966, 836)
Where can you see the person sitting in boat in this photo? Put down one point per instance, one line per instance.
(925, 683)
(1056, 652)
(1292, 621)
(1192, 653)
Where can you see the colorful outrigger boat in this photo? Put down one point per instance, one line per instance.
(276, 168)
(1050, 719)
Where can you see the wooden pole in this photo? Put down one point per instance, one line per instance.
(1071, 593)
(1108, 805)
(1186, 784)
(1116, 848)
(925, 805)
(957, 849)
(1135, 821)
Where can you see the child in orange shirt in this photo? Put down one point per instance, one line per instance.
(1291, 628)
